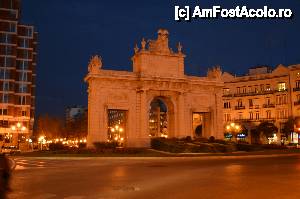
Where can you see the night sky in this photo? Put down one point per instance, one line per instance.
(71, 31)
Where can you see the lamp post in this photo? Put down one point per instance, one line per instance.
(233, 128)
(116, 133)
(19, 128)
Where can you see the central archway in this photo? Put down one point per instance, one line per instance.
(161, 117)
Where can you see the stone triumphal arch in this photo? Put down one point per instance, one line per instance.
(156, 99)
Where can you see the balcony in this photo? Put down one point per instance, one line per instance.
(296, 89)
(254, 107)
(249, 93)
(256, 120)
(282, 90)
(296, 103)
(269, 105)
(239, 107)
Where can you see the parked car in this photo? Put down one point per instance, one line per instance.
(10, 149)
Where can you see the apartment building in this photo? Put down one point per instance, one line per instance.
(262, 95)
(18, 43)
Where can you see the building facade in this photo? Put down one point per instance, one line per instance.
(18, 43)
(264, 95)
(156, 99)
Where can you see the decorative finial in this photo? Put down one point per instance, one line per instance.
(143, 43)
(95, 63)
(136, 48)
(179, 47)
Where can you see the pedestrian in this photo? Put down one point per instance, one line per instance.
(4, 175)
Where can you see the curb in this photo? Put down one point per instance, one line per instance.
(12, 164)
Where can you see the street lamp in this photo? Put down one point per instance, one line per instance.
(117, 132)
(232, 127)
(19, 128)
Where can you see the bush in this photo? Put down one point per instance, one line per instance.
(248, 147)
(168, 145)
(211, 139)
(56, 146)
(219, 141)
(82, 145)
(105, 145)
(273, 146)
(201, 139)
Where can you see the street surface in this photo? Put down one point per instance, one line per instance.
(170, 178)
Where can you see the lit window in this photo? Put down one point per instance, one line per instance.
(281, 86)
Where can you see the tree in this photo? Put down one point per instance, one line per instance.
(288, 126)
(267, 128)
(51, 127)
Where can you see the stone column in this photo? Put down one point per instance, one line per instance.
(95, 118)
(180, 132)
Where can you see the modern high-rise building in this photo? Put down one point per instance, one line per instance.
(18, 46)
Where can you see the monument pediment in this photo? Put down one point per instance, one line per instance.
(156, 58)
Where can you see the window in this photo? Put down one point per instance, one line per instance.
(8, 50)
(226, 104)
(256, 89)
(284, 99)
(23, 76)
(251, 115)
(5, 38)
(8, 62)
(250, 103)
(268, 101)
(4, 123)
(250, 89)
(257, 115)
(25, 54)
(23, 113)
(240, 115)
(3, 111)
(226, 91)
(12, 27)
(268, 87)
(244, 90)
(4, 98)
(227, 117)
(298, 97)
(268, 114)
(281, 86)
(29, 32)
(22, 100)
(24, 65)
(5, 86)
(240, 102)
(298, 84)
(24, 43)
(22, 88)
(262, 87)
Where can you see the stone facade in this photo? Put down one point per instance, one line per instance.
(262, 95)
(158, 73)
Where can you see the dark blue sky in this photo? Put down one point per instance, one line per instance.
(70, 31)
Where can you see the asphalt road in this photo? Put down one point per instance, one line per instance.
(142, 178)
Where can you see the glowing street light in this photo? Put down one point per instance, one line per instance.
(18, 128)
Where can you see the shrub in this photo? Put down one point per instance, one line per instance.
(211, 139)
(105, 145)
(82, 145)
(168, 145)
(273, 146)
(56, 146)
(201, 139)
(220, 141)
(248, 147)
